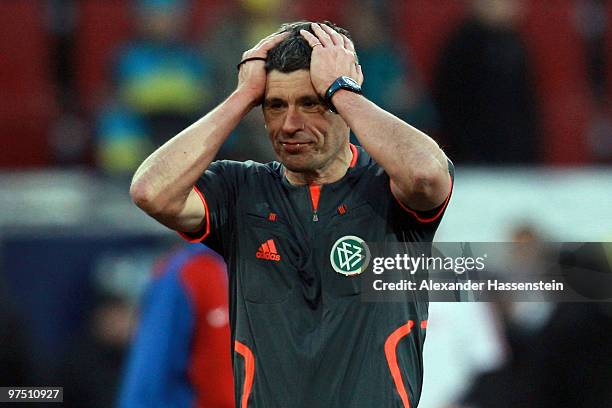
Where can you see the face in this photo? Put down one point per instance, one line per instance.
(305, 135)
(162, 24)
(499, 12)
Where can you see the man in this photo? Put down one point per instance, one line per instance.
(180, 355)
(302, 338)
(485, 62)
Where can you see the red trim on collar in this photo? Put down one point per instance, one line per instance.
(315, 194)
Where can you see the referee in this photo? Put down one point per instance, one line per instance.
(293, 232)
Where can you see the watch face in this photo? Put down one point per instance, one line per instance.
(351, 81)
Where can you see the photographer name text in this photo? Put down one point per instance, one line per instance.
(492, 285)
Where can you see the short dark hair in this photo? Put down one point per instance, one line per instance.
(293, 53)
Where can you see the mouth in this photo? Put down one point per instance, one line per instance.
(295, 147)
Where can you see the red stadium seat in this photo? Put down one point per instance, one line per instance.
(426, 25)
(206, 14)
(559, 61)
(319, 10)
(103, 25)
(609, 55)
(27, 102)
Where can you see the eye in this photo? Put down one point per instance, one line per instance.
(310, 105)
(274, 105)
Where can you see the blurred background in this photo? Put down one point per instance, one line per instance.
(517, 92)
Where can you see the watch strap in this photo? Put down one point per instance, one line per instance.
(340, 83)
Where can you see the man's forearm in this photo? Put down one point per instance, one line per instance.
(413, 160)
(166, 177)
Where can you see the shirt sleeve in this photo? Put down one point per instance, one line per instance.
(218, 188)
(435, 215)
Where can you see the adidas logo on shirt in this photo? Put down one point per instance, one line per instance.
(268, 251)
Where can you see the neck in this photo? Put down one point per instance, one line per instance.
(333, 171)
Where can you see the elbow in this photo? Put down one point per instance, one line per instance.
(158, 204)
(431, 188)
(143, 196)
(432, 181)
(425, 190)
(431, 178)
(425, 182)
(424, 187)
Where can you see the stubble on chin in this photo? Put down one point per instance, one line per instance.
(303, 165)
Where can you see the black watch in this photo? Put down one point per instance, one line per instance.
(343, 82)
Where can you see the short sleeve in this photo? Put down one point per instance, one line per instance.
(218, 188)
(434, 215)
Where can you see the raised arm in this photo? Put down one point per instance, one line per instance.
(417, 167)
(163, 184)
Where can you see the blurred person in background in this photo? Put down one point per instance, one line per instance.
(393, 82)
(161, 85)
(92, 367)
(593, 24)
(520, 324)
(577, 356)
(559, 354)
(529, 259)
(180, 356)
(69, 136)
(483, 88)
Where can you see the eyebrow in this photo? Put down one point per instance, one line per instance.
(270, 101)
(301, 99)
(309, 98)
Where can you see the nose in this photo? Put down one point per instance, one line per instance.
(293, 121)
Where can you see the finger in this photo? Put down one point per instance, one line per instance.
(274, 34)
(312, 39)
(359, 75)
(354, 72)
(264, 40)
(273, 40)
(264, 45)
(348, 44)
(323, 37)
(333, 34)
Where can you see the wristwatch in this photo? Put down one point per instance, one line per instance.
(343, 82)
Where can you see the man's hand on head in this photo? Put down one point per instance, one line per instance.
(333, 56)
(251, 70)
